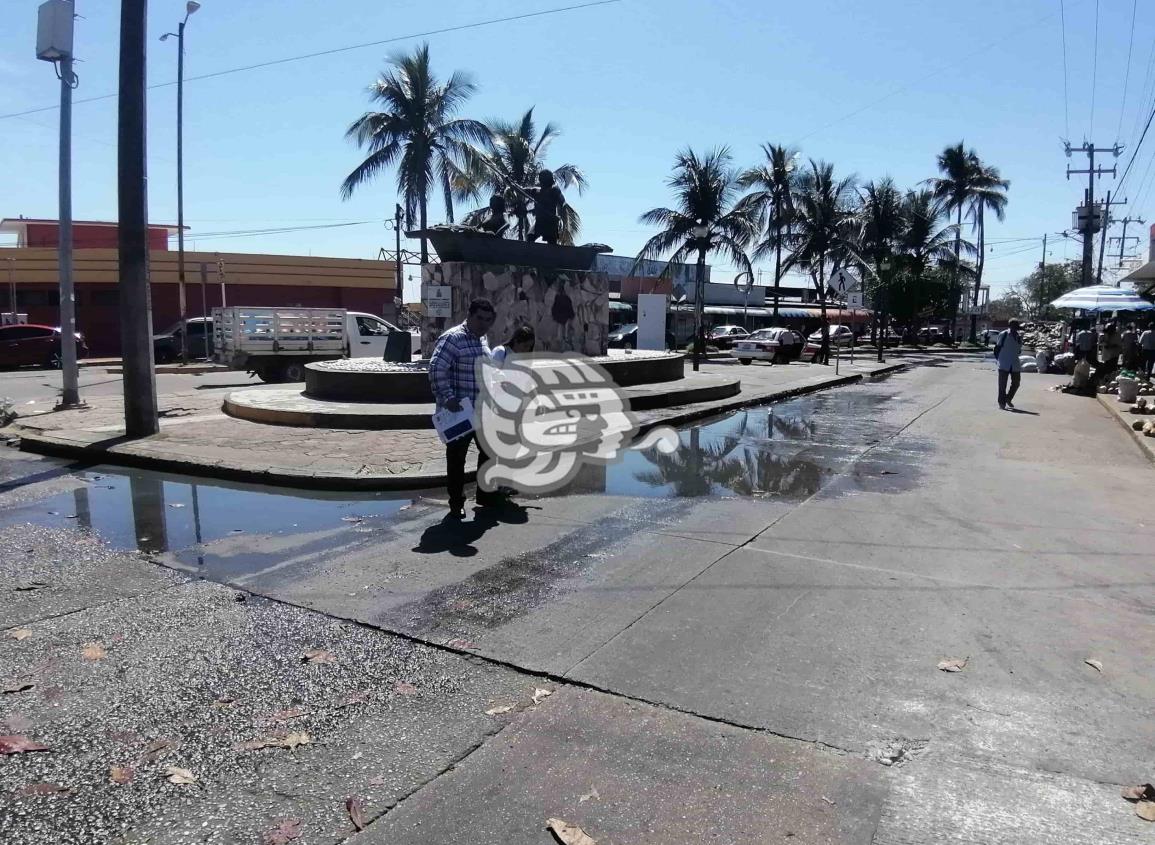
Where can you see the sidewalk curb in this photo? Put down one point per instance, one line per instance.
(1115, 409)
(117, 451)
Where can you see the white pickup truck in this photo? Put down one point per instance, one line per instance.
(276, 343)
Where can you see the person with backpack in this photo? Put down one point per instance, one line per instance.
(1008, 348)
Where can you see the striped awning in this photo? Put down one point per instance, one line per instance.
(1104, 298)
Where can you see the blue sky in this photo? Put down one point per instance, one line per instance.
(876, 88)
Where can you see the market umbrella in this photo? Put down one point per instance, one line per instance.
(1104, 298)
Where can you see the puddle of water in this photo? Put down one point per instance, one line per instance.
(791, 450)
(159, 512)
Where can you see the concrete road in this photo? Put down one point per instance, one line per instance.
(38, 389)
(742, 641)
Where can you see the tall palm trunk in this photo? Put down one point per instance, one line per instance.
(954, 290)
(423, 214)
(824, 350)
(777, 253)
(978, 275)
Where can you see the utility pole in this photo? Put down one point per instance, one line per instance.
(54, 44)
(1087, 214)
(1126, 221)
(140, 413)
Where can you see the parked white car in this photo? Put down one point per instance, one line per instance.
(768, 345)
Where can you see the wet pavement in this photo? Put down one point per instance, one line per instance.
(778, 593)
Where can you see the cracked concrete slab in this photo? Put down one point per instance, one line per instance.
(631, 773)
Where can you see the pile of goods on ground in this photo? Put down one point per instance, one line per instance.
(1043, 335)
(1112, 387)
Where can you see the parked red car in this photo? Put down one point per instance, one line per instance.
(31, 344)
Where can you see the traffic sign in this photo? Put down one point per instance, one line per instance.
(854, 299)
(843, 283)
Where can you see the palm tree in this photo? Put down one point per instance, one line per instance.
(971, 187)
(881, 227)
(820, 231)
(510, 157)
(417, 131)
(775, 181)
(709, 218)
(988, 193)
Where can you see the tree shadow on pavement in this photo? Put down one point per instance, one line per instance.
(458, 537)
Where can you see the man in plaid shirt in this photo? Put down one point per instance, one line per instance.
(453, 377)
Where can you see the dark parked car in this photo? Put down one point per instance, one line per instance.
(724, 337)
(624, 337)
(26, 343)
(166, 345)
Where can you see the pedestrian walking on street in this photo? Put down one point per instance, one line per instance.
(1130, 340)
(1147, 349)
(453, 378)
(1008, 348)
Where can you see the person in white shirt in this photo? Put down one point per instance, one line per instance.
(522, 342)
(1008, 348)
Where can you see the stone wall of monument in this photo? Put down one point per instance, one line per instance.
(568, 309)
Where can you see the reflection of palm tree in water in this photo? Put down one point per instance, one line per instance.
(696, 470)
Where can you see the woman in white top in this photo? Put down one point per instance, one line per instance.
(522, 341)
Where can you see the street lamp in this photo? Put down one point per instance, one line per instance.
(190, 7)
(701, 235)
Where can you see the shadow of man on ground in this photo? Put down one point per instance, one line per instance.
(458, 537)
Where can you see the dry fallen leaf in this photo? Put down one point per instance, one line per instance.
(16, 686)
(20, 633)
(497, 711)
(120, 774)
(589, 796)
(294, 739)
(180, 776)
(157, 749)
(356, 812)
(43, 789)
(224, 701)
(16, 744)
(954, 664)
(1146, 810)
(540, 695)
(283, 833)
(404, 688)
(1095, 664)
(359, 697)
(1142, 792)
(318, 655)
(569, 834)
(93, 651)
(289, 714)
(460, 643)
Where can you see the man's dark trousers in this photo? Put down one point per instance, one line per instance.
(1005, 396)
(455, 453)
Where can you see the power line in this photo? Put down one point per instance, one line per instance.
(1094, 72)
(1147, 80)
(288, 59)
(1066, 95)
(968, 61)
(1127, 73)
(1135, 152)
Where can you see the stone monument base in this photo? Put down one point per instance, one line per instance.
(569, 310)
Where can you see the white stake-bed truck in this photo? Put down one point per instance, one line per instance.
(275, 344)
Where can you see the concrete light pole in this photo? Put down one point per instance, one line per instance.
(140, 411)
(190, 7)
(54, 44)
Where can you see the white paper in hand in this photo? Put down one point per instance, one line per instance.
(453, 425)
